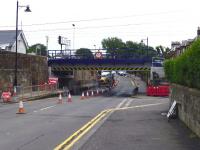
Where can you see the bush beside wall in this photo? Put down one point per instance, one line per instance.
(185, 69)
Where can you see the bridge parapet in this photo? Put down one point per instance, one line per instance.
(112, 61)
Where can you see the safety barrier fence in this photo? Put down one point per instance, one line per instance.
(29, 92)
(161, 90)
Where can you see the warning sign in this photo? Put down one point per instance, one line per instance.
(6, 96)
(171, 110)
(98, 55)
(53, 80)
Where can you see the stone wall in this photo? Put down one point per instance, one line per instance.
(188, 100)
(32, 70)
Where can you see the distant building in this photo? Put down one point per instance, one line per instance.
(8, 43)
(179, 48)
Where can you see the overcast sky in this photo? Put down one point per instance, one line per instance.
(162, 21)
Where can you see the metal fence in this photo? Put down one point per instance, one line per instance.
(33, 92)
(126, 53)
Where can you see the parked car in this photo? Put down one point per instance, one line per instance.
(122, 73)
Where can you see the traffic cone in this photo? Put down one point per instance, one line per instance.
(92, 93)
(21, 109)
(69, 99)
(60, 99)
(83, 96)
(87, 94)
(102, 91)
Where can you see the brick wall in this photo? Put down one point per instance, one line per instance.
(188, 100)
(31, 69)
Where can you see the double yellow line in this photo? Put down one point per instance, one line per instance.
(69, 142)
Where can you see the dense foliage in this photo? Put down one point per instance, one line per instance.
(185, 69)
(84, 53)
(38, 49)
(128, 49)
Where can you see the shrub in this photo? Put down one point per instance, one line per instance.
(185, 69)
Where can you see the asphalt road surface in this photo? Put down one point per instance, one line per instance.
(47, 124)
(142, 128)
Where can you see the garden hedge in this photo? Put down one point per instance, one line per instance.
(185, 69)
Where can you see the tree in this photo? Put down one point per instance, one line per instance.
(132, 45)
(163, 51)
(114, 46)
(112, 43)
(84, 53)
(38, 48)
(117, 48)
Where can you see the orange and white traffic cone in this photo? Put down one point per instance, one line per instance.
(82, 96)
(69, 99)
(102, 91)
(92, 93)
(21, 109)
(60, 99)
(87, 94)
(97, 92)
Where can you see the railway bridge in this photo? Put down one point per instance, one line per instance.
(65, 60)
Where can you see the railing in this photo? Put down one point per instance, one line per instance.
(31, 92)
(112, 54)
(115, 57)
(36, 91)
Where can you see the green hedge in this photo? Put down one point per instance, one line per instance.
(185, 69)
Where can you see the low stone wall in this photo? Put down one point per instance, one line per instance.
(32, 70)
(188, 100)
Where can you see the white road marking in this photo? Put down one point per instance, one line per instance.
(120, 104)
(45, 108)
(133, 83)
(139, 106)
(128, 103)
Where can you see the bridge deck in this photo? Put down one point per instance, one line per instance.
(67, 62)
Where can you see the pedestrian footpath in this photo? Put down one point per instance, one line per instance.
(142, 129)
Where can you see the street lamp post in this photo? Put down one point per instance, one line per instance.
(73, 35)
(147, 75)
(147, 45)
(16, 35)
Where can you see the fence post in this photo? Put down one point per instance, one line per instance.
(38, 91)
(31, 91)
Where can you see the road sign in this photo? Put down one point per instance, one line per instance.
(98, 55)
(172, 109)
(53, 80)
(6, 96)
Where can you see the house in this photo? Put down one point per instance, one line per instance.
(179, 48)
(8, 43)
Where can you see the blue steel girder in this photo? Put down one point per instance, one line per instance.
(114, 59)
(72, 62)
(99, 64)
